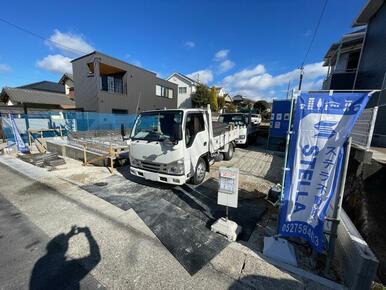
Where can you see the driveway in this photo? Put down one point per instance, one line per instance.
(115, 246)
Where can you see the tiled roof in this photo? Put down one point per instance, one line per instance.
(18, 95)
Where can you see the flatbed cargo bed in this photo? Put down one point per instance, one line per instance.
(219, 128)
(223, 134)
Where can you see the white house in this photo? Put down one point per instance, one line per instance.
(220, 91)
(68, 82)
(186, 88)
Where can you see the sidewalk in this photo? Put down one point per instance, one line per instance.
(131, 255)
(22, 245)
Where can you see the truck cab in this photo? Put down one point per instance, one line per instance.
(255, 119)
(172, 146)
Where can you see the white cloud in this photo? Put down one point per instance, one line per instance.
(221, 54)
(221, 57)
(69, 43)
(56, 63)
(204, 76)
(132, 60)
(189, 44)
(4, 68)
(257, 82)
(244, 74)
(226, 65)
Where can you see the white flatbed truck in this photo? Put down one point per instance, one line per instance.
(179, 145)
(247, 129)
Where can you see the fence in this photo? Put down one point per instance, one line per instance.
(75, 125)
(362, 133)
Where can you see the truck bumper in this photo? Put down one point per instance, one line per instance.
(159, 177)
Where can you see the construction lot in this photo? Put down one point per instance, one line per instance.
(147, 235)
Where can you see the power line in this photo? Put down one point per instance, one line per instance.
(311, 43)
(315, 32)
(25, 30)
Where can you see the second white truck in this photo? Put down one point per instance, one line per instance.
(176, 146)
(247, 128)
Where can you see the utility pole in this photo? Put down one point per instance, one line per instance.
(301, 77)
(288, 88)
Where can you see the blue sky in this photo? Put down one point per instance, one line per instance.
(249, 47)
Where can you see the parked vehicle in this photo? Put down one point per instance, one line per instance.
(247, 130)
(255, 119)
(175, 146)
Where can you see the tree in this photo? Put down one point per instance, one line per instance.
(261, 106)
(213, 99)
(266, 116)
(231, 108)
(221, 102)
(201, 96)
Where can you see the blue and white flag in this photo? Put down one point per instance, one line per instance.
(322, 125)
(21, 147)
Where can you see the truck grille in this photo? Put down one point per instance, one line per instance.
(150, 166)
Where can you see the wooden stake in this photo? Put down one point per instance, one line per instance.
(84, 155)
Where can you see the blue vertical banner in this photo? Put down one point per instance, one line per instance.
(322, 124)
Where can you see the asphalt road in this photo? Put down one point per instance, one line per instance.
(180, 217)
(30, 260)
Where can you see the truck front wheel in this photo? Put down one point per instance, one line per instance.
(200, 172)
(229, 154)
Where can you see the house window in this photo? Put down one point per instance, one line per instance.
(119, 111)
(353, 59)
(182, 90)
(170, 94)
(162, 91)
(112, 83)
(158, 90)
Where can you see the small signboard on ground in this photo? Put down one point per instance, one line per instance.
(228, 186)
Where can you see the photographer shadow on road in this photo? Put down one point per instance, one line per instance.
(56, 271)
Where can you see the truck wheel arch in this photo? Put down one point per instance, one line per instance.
(206, 159)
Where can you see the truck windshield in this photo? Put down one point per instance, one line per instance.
(158, 126)
(235, 119)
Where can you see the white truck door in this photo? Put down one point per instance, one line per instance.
(196, 139)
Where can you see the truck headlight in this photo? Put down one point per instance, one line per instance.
(177, 167)
(135, 162)
(242, 137)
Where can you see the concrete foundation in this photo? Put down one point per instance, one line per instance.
(355, 256)
(227, 228)
(64, 149)
(279, 249)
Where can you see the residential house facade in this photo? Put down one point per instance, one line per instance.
(227, 99)
(108, 85)
(358, 62)
(186, 89)
(68, 82)
(40, 96)
(220, 92)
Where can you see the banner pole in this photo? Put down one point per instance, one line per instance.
(338, 208)
(285, 169)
